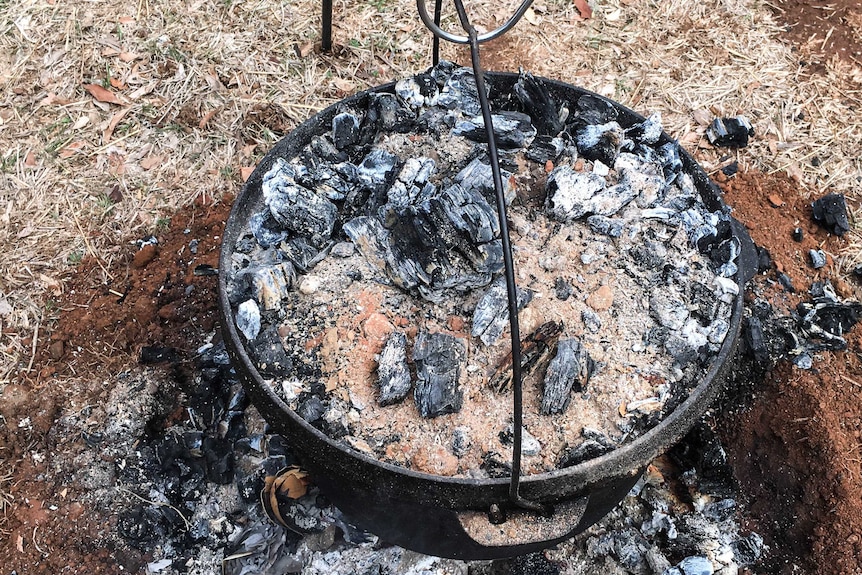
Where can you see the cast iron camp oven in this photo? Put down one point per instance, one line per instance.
(451, 516)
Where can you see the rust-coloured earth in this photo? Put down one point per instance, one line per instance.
(822, 30)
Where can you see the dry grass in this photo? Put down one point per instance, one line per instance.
(193, 80)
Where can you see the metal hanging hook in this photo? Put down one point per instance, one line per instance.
(433, 24)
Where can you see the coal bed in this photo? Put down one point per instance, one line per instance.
(368, 287)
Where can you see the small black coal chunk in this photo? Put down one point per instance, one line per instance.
(585, 451)
(532, 564)
(701, 451)
(269, 355)
(818, 258)
(545, 148)
(730, 169)
(392, 371)
(786, 282)
(310, 407)
(797, 234)
(511, 129)
(438, 358)
(730, 132)
(599, 141)
(390, 115)
(569, 371)
(592, 109)
(830, 212)
(537, 102)
(756, 340)
(345, 130)
(266, 230)
(151, 354)
(218, 454)
(764, 259)
(495, 465)
(747, 551)
(562, 289)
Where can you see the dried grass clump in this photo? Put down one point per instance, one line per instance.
(195, 93)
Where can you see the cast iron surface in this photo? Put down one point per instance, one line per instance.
(387, 499)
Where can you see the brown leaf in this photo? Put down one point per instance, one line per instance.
(115, 120)
(207, 117)
(118, 84)
(293, 483)
(71, 149)
(30, 159)
(584, 9)
(304, 49)
(52, 284)
(151, 162)
(103, 95)
(245, 172)
(128, 56)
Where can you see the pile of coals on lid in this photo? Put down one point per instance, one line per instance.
(217, 491)
(372, 269)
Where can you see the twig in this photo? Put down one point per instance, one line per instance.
(158, 504)
(86, 241)
(36, 543)
(35, 340)
(856, 383)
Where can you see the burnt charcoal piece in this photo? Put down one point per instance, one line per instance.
(594, 445)
(461, 442)
(411, 181)
(267, 284)
(389, 115)
(377, 168)
(545, 149)
(491, 315)
(334, 181)
(302, 254)
(798, 234)
(591, 320)
(537, 102)
(322, 149)
(511, 129)
(646, 179)
(151, 354)
(730, 132)
(764, 259)
(668, 308)
(266, 230)
(747, 551)
(532, 564)
(438, 358)
(248, 319)
(612, 227)
(393, 375)
(310, 408)
(818, 258)
(417, 91)
(646, 132)
(595, 110)
(730, 169)
(295, 207)
(470, 213)
(345, 130)
(830, 212)
(786, 282)
(529, 444)
(569, 370)
(218, 454)
(572, 195)
(460, 92)
(269, 354)
(701, 451)
(828, 319)
(477, 176)
(599, 142)
(536, 351)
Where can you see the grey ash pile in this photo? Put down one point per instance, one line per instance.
(373, 269)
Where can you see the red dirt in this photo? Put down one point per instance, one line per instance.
(796, 450)
(98, 335)
(821, 30)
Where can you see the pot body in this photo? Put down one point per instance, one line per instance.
(447, 516)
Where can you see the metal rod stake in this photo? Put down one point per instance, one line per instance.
(509, 265)
(326, 26)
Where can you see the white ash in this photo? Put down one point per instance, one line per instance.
(615, 235)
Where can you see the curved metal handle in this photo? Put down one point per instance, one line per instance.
(440, 33)
(523, 527)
